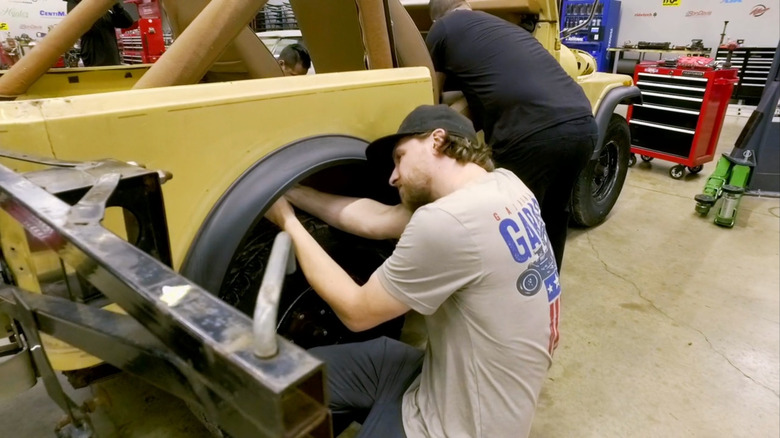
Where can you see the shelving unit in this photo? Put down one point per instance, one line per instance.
(753, 64)
(274, 17)
(681, 114)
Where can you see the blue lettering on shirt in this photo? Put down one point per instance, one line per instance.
(534, 217)
(523, 244)
(518, 247)
(537, 208)
(532, 232)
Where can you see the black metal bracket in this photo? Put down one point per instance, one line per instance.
(79, 425)
(203, 345)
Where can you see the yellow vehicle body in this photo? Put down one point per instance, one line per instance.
(208, 135)
(61, 82)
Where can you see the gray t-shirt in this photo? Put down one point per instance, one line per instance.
(478, 265)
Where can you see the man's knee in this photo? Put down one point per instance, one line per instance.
(334, 354)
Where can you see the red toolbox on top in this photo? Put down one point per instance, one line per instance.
(681, 115)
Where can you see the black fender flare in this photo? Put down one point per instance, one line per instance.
(614, 97)
(247, 199)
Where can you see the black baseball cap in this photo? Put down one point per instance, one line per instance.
(422, 119)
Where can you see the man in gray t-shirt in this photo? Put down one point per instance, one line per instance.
(473, 258)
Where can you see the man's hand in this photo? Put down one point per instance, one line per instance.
(281, 213)
(358, 307)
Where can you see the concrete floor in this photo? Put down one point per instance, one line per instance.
(670, 324)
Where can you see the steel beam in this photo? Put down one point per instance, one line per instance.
(279, 396)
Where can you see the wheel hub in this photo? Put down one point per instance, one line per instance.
(606, 168)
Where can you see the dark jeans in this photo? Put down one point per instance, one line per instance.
(371, 378)
(549, 163)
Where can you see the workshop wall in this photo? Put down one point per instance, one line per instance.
(755, 21)
(32, 17)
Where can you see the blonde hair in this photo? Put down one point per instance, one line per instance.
(464, 150)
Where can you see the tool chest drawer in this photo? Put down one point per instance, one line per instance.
(667, 139)
(664, 115)
(671, 100)
(753, 64)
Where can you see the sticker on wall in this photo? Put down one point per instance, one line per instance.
(758, 10)
(698, 13)
(4, 26)
(14, 12)
(671, 2)
(32, 16)
(51, 14)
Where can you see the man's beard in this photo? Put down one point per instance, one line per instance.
(414, 196)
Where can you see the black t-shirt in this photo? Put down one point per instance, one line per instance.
(514, 87)
(98, 44)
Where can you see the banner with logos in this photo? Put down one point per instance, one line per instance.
(680, 21)
(35, 18)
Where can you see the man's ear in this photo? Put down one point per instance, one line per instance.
(439, 139)
(281, 62)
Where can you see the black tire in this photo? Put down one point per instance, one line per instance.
(696, 169)
(304, 318)
(229, 254)
(600, 183)
(632, 160)
(677, 171)
(647, 158)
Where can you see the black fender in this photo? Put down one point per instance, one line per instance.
(613, 98)
(246, 200)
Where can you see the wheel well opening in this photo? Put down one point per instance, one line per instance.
(303, 317)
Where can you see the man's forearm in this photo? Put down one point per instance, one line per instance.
(359, 307)
(322, 205)
(324, 275)
(360, 216)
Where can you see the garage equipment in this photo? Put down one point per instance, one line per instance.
(753, 166)
(681, 115)
(754, 64)
(591, 31)
(145, 43)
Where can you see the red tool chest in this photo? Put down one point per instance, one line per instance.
(144, 42)
(681, 115)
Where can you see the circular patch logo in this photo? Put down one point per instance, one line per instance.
(528, 282)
